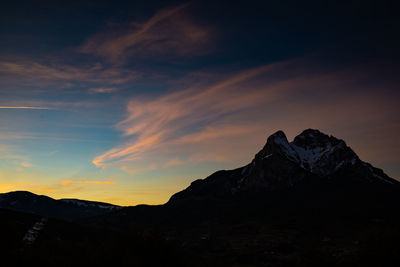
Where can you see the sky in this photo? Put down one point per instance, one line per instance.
(128, 102)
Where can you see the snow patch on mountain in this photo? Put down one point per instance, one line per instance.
(82, 203)
(311, 150)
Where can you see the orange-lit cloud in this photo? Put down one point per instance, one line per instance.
(69, 182)
(103, 90)
(161, 125)
(47, 189)
(26, 164)
(228, 119)
(168, 31)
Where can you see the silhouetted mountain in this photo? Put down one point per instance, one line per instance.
(309, 202)
(67, 209)
(312, 157)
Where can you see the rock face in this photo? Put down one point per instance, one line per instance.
(311, 156)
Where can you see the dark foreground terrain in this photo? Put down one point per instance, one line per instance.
(310, 202)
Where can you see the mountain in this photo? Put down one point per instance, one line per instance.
(309, 202)
(311, 157)
(313, 173)
(67, 209)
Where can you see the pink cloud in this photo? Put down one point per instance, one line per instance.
(168, 31)
(31, 72)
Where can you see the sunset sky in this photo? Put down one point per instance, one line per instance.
(128, 103)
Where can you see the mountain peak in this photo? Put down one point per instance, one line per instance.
(312, 133)
(312, 150)
(278, 135)
(311, 139)
(277, 143)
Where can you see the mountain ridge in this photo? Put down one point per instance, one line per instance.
(311, 155)
(67, 209)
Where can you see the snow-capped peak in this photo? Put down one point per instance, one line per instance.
(312, 150)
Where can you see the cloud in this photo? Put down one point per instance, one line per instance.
(168, 31)
(29, 72)
(103, 90)
(69, 182)
(227, 119)
(12, 156)
(47, 189)
(23, 107)
(26, 164)
(165, 120)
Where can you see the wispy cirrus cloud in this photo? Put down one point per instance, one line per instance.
(13, 156)
(169, 31)
(31, 72)
(228, 119)
(179, 118)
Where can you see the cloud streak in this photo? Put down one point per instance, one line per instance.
(103, 90)
(24, 107)
(165, 120)
(168, 31)
(28, 72)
